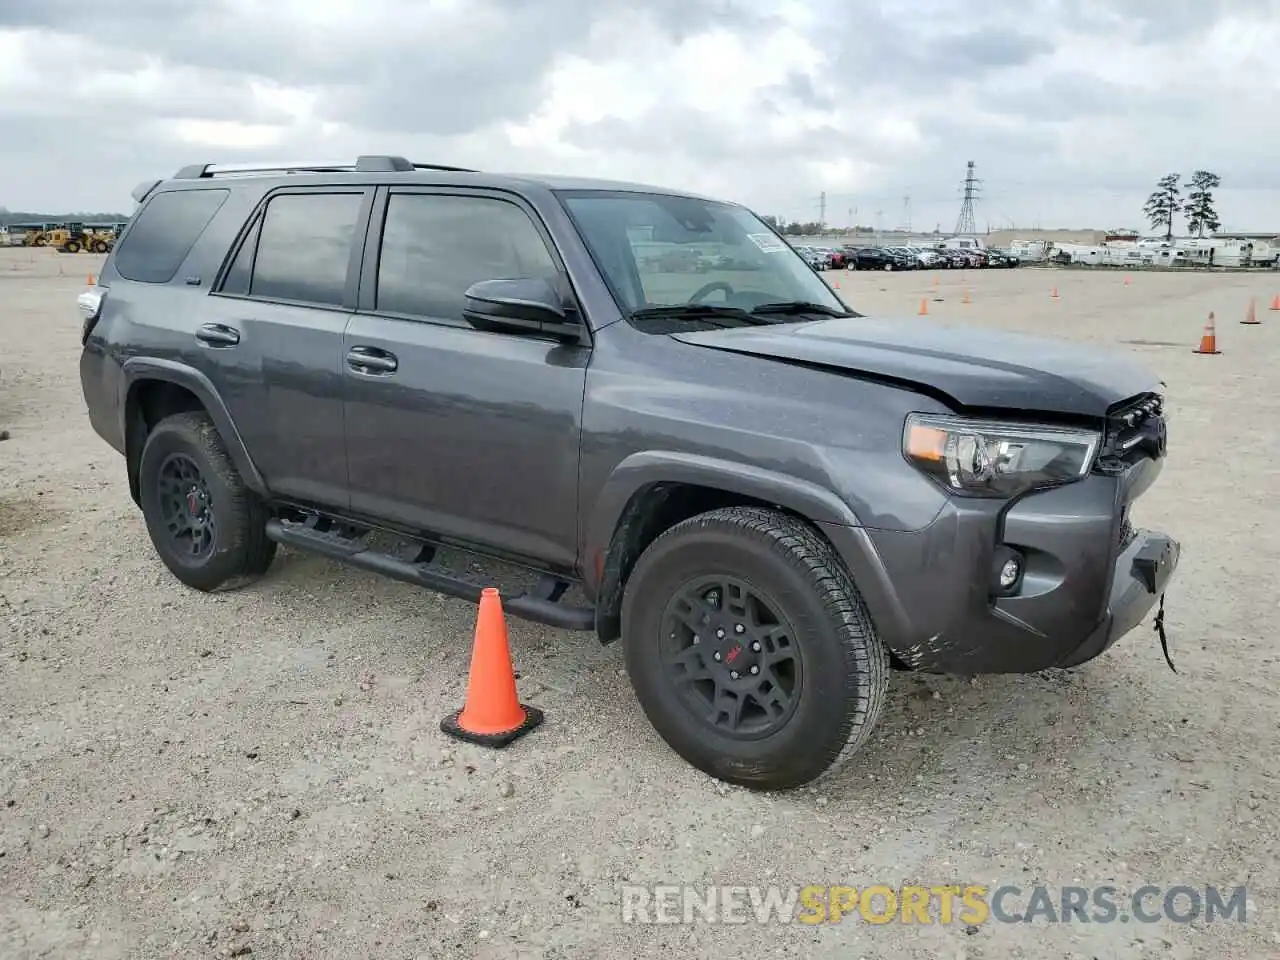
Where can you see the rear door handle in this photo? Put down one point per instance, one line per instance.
(371, 360)
(218, 335)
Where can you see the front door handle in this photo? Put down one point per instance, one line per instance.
(371, 360)
(218, 335)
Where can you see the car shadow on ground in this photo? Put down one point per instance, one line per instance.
(933, 732)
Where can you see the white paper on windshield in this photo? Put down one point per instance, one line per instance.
(767, 242)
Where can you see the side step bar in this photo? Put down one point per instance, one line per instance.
(540, 605)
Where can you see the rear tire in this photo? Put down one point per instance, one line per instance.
(811, 673)
(206, 525)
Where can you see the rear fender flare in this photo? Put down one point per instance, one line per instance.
(171, 371)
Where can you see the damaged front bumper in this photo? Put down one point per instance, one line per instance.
(1142, 573)
(1088, 578)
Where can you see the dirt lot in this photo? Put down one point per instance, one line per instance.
(189, 775)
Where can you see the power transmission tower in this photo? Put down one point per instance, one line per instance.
(822, 210)
(906, 214)
(966, 225)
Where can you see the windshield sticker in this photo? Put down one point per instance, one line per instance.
(767, 242)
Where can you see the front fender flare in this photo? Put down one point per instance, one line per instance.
(171, 371)
(602, 570)
(642, 469)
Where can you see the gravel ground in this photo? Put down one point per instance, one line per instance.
(261, 773)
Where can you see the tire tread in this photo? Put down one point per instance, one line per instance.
(795, 542)
(244, 523)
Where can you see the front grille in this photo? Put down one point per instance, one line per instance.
(1134, 431)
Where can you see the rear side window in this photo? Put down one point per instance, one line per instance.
(303, 248)
(164, 232)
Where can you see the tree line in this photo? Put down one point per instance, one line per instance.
(19, 216)
(795, 228)
(1167, 202)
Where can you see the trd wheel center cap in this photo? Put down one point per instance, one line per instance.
(735, 651)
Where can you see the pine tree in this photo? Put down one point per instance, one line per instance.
(1199, 207)
(1164, 204)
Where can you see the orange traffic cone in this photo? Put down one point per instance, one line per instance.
(1251, 315)
(836, 284)
(1126, 280)
(493, 715)
(1275, 302)
(935, 281)
(1209, 339)
(91, 279)
(965, 298)
(1054, 295)
(924, 308)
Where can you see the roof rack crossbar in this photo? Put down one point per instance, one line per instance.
(372, 163)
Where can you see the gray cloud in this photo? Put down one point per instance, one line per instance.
(897, 96)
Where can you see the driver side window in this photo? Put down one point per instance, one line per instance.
(434, 246)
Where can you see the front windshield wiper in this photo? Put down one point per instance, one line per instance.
(801, 306)
(699, 311)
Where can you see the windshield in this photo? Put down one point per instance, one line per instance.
(662, 251)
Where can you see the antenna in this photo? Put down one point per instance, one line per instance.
(822, 210)
(966, 225)
(906, 214)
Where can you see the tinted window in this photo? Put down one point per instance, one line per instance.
(304, 247)
(237, 278)
(434, 247)
(164, 232)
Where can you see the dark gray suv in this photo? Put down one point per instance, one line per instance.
(773, 500)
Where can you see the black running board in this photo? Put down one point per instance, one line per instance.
(540, 605)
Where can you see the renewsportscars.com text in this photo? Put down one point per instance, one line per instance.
(968, 905)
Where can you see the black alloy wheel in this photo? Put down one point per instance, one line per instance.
(207, 526)
(186, 506)
(731, 657)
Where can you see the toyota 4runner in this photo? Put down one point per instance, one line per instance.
(771, 499)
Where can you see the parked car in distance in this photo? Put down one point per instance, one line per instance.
(770, 499)
(870, 258)
(812, 256)
(836, 258)
(998, 257)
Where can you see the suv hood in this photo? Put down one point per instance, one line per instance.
(974, 367)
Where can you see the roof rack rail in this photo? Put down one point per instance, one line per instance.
(371, 163)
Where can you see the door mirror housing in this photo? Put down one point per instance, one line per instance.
(528, 305)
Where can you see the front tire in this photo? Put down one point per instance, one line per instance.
(206, 525)
(750, 649)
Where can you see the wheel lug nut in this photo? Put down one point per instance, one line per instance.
(733, 674)
(754, 669)
(717, 656)
(756, 646)
(696, 638)
(720, 634)
(739, 628)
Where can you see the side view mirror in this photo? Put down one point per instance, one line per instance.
(524, 305)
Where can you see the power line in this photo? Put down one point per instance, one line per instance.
(966, 224)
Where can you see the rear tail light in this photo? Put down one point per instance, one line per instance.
(90, 305)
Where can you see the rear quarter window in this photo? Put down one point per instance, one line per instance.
(164, 232)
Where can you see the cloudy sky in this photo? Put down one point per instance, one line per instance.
(1071, 109)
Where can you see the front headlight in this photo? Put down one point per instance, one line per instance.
(977, 458)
